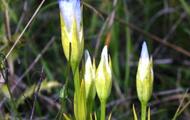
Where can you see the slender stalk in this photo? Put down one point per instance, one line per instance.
(42, 77)
(143, 111)
(89, 108)
(59, 114)
(13, 103)
(75, 70)
(103, 109)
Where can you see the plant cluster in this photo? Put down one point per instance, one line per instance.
(96, 80)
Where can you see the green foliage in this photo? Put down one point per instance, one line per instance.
(80, 103)
(186, 6)
(134, 113)
(120, 24)
(45, 85)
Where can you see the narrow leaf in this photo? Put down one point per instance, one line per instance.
(66, 117)
(134, 113)
(149, 113)
(109, 118)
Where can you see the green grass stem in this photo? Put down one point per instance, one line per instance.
(103, 109)
(143, 111)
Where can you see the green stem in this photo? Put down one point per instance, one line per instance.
(75, 70)
(103, 109)
(61, 111)
(13, 102)
(89, 108)
(143, 111)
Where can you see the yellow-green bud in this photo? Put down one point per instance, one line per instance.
(71, 29)
(144, 77)
(103, 80)
(89, 76)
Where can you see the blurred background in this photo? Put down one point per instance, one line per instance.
(121, 24)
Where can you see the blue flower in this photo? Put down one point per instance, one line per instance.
(70, 10)
(71, 29)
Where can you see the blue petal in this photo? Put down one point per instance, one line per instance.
(70, 9)
(78, 13)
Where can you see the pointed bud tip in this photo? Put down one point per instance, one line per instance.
(144, 51)
(105, 51)
(87, 55)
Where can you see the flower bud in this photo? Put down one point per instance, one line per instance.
(89, 76)
(144, 77)
(71, 29)
(103, 80)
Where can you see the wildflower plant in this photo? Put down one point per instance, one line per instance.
(104, 80)
(92, 80)
(72, 34)
(96, 80)
(144, 79)
(71, 29)
(84, 76)
(73, 43)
